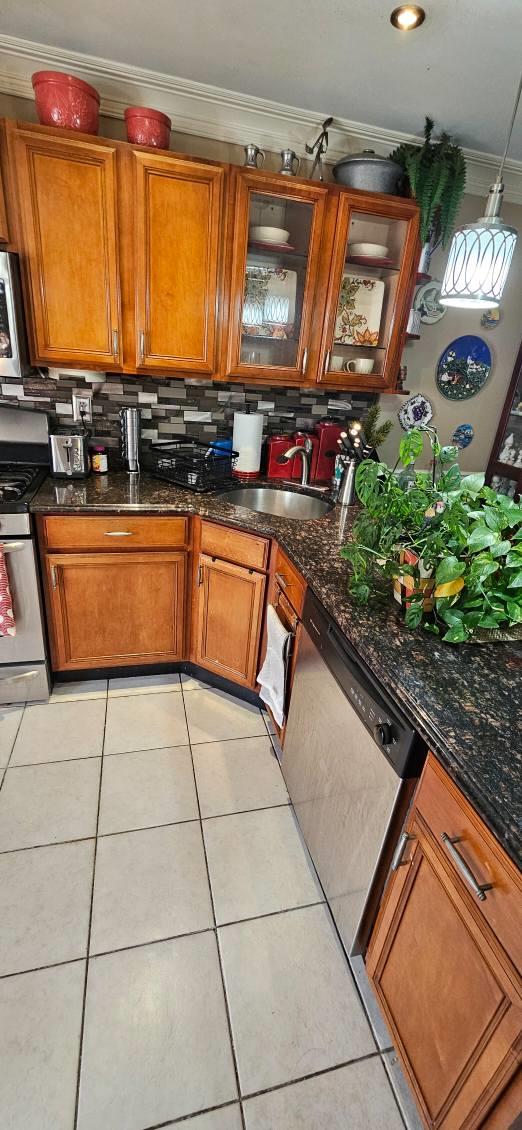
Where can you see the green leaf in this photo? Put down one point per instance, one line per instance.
(448, 454)
(480, 569)
(500, 549)
(452, 617)
(449, 569)
(473, 483)
(488, 621)
(481, 537)
(411, 446)
(359, 591)
(514, 559)
(414, 614)
(471, 619)
(429, 627)
(451, 479)
(514, 611)
(516, 581)
(493, 518)
(457, 634)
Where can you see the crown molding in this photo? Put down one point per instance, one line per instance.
(211, 112)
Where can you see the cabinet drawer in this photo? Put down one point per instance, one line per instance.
(447, 812)
(290, 581)
(234, 545)
(115, 532)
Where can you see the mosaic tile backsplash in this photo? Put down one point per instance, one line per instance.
(172, 408)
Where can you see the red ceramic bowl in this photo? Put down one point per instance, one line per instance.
(147, 127)
(67, 101)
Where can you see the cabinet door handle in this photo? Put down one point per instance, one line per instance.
(478, 889)
(327, 361)
(54, 577)
(200, 574)
(117, 533)
(280, 580)
(115, 343)
(305, 359)
(142, 346)
(398, 860)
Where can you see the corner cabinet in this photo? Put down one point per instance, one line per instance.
(444, 955)
(177, 221)
(68, 211)
(368, 295)
(272, 285)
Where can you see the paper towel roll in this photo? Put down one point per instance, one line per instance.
(247, 439)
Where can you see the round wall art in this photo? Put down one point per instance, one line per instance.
(417, 410)
(491, 318)
(426, 302)
(464, 367)
(463, 435)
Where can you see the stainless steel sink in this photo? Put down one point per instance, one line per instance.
(283, 503)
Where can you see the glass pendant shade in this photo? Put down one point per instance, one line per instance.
(478, 264)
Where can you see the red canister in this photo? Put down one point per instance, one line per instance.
(327, 432)
(276, 446)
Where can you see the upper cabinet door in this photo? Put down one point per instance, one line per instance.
(369, 291)
(67, 192)
(276, 225)
(178, 213)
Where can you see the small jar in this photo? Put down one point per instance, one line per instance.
(99, 462)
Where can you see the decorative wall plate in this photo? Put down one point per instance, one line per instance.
(427, 303)
(359, 311)
(416, 410)
(464, 367)
(463, 435)
(491, 318)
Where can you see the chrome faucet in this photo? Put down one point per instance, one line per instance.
(305, 451)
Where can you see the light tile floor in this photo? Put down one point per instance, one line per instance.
(166, 954)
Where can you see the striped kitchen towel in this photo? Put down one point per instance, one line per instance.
(7, 620)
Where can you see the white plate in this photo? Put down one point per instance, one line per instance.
(358, 320)
(426, 302)
(269, 234)
(372, 250)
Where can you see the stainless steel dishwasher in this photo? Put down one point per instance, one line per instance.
(350, 762)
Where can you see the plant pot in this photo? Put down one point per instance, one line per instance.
(147, 127)
(425, 259)
(66, 101)
(405, 588)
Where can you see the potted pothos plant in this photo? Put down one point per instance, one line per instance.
(436, 171)
(453, 542)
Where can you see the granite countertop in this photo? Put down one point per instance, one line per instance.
(465, 701)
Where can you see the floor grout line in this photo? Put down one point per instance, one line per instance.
(89, 928)
(312, 1075)
(220, 964)
(6, 766)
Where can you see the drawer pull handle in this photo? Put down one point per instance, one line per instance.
(398, 860)
(283, 584)
(54, 577)
(142, 346)
(305, 360)
(117, 533)
(479, 889)
(115, 344)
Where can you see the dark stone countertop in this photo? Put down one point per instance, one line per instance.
(465, 701)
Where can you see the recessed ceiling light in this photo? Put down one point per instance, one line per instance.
(407, 17)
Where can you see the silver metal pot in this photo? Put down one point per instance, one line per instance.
(369, 172)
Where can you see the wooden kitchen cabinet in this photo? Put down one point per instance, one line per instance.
(443, 961)
(115, 609)
(228, 618)
(67, 201)
(178, 228)
(367, 300)
(271, 288)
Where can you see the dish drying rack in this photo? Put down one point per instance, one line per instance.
(191, 464)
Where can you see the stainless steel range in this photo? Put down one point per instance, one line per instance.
(24, 457)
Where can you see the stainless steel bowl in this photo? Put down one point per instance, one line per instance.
(369, 172)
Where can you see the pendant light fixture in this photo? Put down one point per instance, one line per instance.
(480, 254)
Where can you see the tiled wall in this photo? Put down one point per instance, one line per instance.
(172, 408)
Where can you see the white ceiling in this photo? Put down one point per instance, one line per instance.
(341, 57)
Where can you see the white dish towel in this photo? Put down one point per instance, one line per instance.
(272, 676)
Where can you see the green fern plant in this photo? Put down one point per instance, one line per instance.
(436, 171)
(374, 432)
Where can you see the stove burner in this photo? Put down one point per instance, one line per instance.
(15, 481)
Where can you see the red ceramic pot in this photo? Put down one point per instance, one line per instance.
(63, 100)
(147, 127)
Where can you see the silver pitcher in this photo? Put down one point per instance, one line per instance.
(288, 157)
(252, 154)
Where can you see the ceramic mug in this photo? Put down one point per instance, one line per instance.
(360, 365)
(336, 364)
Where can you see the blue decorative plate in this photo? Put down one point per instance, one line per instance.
(463, 435)
(464, 367)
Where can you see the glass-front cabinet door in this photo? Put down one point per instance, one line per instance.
(369, 291)
(276, 226)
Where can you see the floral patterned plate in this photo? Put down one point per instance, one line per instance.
(417, 410)
(359, 312)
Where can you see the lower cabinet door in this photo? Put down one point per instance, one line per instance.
(228, 619)
(447, 990)
(113, 609)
